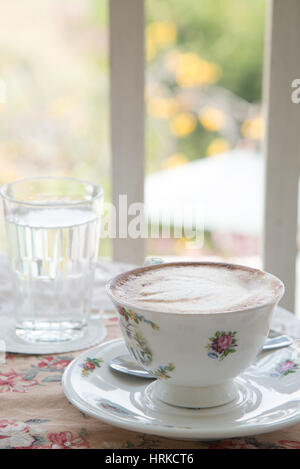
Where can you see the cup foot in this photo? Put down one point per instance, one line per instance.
(195, 397)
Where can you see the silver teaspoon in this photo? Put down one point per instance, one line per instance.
(125, 364)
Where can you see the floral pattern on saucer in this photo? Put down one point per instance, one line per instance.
(285, 368)
(221, 345)
(113, 407)
(89, 365)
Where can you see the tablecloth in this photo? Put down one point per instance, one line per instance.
(35, 414)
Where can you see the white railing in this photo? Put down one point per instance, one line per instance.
(282, 144)
(282, 66)
(127, 114)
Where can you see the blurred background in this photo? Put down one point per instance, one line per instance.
(204, 124)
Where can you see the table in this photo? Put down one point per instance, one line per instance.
(35, 414)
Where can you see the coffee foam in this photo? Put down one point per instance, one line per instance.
(196, 288)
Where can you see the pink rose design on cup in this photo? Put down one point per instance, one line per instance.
(224, 341)
(221, 345)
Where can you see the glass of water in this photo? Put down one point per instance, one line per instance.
(53, 230)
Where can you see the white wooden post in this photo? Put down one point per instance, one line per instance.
(282, 144)
(127, 114)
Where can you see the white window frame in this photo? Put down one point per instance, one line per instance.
(127, 68)
(282, 144)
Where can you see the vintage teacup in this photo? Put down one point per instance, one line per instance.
(195, 356)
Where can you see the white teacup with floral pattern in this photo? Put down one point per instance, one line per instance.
(195, 356)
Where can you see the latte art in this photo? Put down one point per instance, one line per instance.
(196, 288)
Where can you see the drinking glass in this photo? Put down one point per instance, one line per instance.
(53, 230)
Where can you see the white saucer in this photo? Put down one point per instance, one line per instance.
(268, 397)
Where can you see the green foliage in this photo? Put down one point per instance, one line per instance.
(227, 32)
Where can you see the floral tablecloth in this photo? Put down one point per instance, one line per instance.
(35, 414)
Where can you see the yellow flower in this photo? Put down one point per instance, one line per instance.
(253, 128)
(162, 108)
(131, 314)
(190, 70)
(175, 160)
(218, 145)
(183, 124)
(212, 119)
(162, 33)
